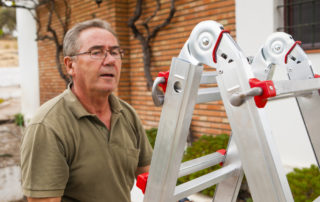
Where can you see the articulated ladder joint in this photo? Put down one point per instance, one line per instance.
(268, 90)
(142, 180)
(161, 80)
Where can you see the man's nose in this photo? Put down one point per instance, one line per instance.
(108, 59)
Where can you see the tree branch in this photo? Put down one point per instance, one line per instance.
(67, 17)
(3, 4)
(52, 36)
(145, 23)
(136, 16)
(165, 23)
(145, 40)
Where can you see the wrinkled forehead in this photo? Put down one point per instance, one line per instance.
(93, 37)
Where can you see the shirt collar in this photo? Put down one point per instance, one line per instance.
(79, 111)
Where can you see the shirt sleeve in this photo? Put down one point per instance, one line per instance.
(44, 169)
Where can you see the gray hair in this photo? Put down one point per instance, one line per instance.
(70, 42)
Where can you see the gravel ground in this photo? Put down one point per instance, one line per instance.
(10, 180)
(10, 137)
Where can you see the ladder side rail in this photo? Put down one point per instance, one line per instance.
(257, 150)
(308, 106)
(180, 98)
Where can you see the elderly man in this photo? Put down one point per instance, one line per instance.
(85, 144)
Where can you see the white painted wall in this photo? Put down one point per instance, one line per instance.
(28, 61)
(255, 21)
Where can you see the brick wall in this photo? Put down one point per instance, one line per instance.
(208, 118)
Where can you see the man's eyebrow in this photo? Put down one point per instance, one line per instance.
(113, 47)
(102, 47)
(96, 47)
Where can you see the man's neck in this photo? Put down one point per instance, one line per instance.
(95, 103)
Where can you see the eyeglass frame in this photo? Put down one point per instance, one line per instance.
(106, 52)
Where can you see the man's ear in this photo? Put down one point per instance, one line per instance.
(68, 62)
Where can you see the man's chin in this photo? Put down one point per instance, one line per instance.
(106, 89)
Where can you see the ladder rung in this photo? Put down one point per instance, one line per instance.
(200, 163)
(296, 86)
(203, 182)
(208, 78)
(317, 199)
(208, 95)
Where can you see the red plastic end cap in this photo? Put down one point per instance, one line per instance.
(317, 76)
(165, 75)
(268, 90)
(142, 181)
(222, 151)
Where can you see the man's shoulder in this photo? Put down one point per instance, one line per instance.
(49, 109)
(126, 106)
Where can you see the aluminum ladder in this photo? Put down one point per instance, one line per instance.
(251, 149)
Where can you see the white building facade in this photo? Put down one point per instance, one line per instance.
(255, 21)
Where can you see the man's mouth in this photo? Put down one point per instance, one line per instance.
(107, 75)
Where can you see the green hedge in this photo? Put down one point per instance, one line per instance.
(304, 183)
(151, 134)
(18, 119)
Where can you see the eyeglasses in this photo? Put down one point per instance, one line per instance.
(100, 53)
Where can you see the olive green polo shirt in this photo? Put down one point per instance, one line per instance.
(69, 152)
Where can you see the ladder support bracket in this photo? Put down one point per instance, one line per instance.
(157, 95)
(268, 90)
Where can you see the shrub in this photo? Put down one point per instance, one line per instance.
(304, 183)
(18, 119)
(151, 134)
(1, 100)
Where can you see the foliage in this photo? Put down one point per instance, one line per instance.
(1, 100)
(7, 20)
(151, 134)
(18, 119)
(305, 183)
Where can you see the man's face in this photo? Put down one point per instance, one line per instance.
(96, 75)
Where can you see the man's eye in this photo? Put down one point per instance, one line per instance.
(96, 52)
(115, 52)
